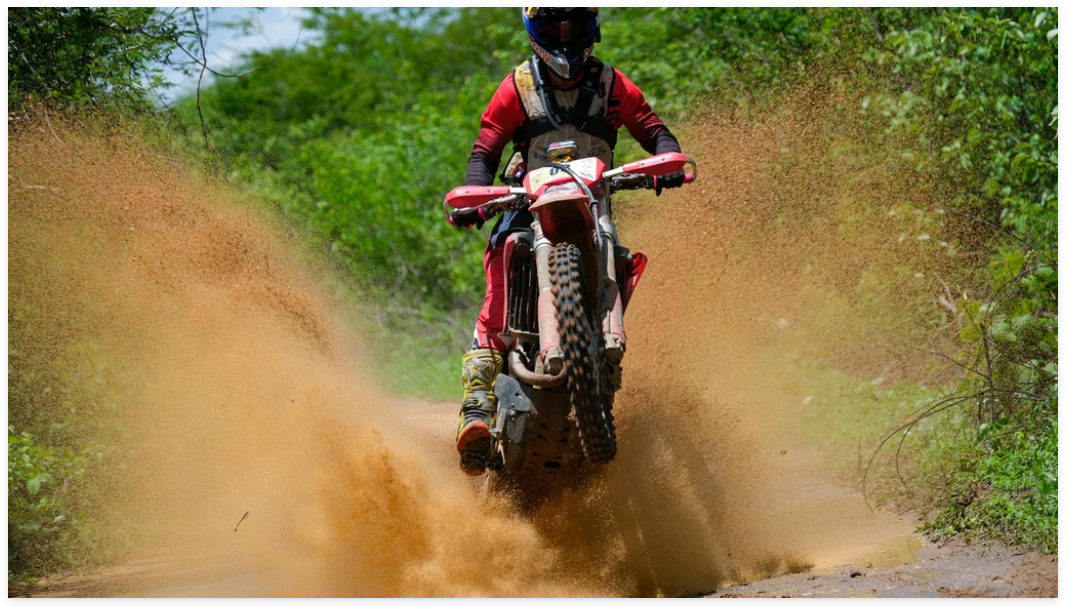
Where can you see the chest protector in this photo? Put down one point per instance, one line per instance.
(580, 113)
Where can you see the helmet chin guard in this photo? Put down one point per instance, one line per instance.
(566, 65)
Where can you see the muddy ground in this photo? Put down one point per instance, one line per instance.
(885, 559)
(906, 566)
(952, 570)
(949, 570)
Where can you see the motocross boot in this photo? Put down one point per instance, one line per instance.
(479, 369)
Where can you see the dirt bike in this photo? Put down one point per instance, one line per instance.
(567, 287)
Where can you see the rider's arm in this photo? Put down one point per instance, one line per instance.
(501, 119)
(640, 120)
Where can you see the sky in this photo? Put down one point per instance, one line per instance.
(273, 27)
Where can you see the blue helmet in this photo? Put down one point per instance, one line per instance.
(563, 38)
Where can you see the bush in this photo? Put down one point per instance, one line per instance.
(46, 524)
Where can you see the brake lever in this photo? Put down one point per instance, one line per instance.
(521, 203)
(631, 181)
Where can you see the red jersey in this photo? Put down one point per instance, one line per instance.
(505, 114)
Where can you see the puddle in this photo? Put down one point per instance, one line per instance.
(898, 551)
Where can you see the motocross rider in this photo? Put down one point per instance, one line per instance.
(563, 93)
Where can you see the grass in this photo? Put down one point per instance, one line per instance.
(916, 449)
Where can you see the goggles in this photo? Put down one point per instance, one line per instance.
(564, 33)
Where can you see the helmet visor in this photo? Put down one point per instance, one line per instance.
(564, 33)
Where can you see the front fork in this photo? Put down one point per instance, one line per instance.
(549, 338)
(611, 303)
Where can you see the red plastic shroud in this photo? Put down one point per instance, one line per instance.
(635, 272)
(507, 264)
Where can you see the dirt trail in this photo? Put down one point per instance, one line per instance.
(953, 571)
(235, 387)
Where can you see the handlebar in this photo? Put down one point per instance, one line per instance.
(630, 181)
(634, 181)
(476, 216)
(464, 218)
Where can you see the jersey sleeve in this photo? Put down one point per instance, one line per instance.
(504, 114)
(640, 120)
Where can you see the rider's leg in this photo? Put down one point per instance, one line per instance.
(480, 368)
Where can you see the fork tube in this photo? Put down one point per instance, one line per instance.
(613, 323)
(549, 338)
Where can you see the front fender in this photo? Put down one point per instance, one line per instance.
(564, 216)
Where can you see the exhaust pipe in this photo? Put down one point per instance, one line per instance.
(539, 380)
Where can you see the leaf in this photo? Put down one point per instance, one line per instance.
(34, 484)
(1002, 332)
(1053, 33)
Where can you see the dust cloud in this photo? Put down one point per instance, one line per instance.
(235, 385)
(787, 257)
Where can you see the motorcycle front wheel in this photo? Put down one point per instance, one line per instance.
(581, 342)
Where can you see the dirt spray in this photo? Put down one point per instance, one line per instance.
(236, 387)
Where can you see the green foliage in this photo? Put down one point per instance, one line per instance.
(60, 400)
(977, 92)
(1009, 488)
(980, 94)
(76, 56)
(45, 524)
(361, 136)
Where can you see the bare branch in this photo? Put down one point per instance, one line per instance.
(204, 66)
(947, 299)
(939, 406)
(49, 121)
(202, 61)
(27, 186)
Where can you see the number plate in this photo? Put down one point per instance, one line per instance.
(589, 170)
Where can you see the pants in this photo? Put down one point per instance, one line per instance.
(491, 319)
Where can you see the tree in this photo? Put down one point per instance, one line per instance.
(75, 56)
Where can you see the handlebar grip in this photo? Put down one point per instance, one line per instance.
(467, 217)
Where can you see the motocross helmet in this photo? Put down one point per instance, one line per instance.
(563, 38)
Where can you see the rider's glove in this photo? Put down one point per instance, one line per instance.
(466, 218)
(664, 182)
